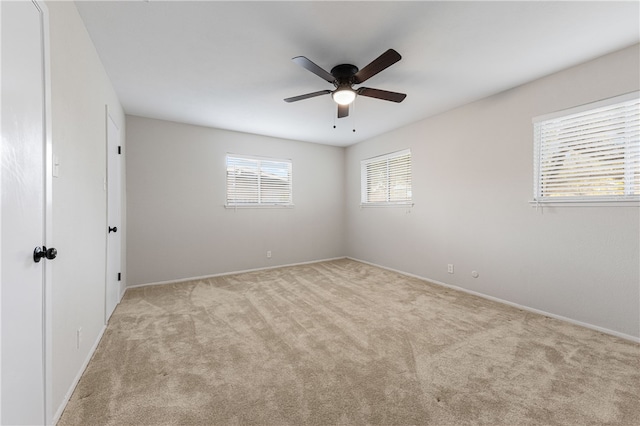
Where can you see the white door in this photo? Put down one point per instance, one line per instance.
(22, 229)
(114, 228)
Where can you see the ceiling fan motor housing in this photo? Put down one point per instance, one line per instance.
(344, 74)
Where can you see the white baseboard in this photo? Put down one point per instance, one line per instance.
(72, 388)
(506, 302)
(222, 274)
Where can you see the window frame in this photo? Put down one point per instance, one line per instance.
(229, 203)
(364, 202)
(580, 200)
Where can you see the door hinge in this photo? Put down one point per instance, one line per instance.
(119, 150)
(119, 276)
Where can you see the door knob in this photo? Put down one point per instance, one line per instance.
(114, 229)
(39, 253)
(51, 253)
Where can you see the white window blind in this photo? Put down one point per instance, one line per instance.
(255, 181)
(386, 180)
(591, 153)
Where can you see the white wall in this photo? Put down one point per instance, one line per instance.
(472, 180)
(178, 225)
(80, 91)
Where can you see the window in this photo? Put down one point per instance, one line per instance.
(386, 180)
(590, 153)
(256, 182)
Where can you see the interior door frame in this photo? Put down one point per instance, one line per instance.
(48, 217)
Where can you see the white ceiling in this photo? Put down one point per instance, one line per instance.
(228, 64)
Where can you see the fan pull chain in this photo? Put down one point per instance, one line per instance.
(333, 113)
(353, 115)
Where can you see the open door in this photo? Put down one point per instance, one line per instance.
(25, 204)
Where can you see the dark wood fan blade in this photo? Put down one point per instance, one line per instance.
(343, 111)
(310, 66)
(382, 62)
(307, 96)
(382, 94)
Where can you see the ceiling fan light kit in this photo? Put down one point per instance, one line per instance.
(343, 96)
(344, 76)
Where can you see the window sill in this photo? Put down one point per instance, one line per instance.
(585, 203)
(401, 205)
(258, 206)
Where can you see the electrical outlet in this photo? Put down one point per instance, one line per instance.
(268, 254)
(450, 268)
(78, 337)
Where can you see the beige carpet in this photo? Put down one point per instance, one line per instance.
(346, 343)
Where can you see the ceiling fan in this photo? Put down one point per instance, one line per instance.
(344, 76)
